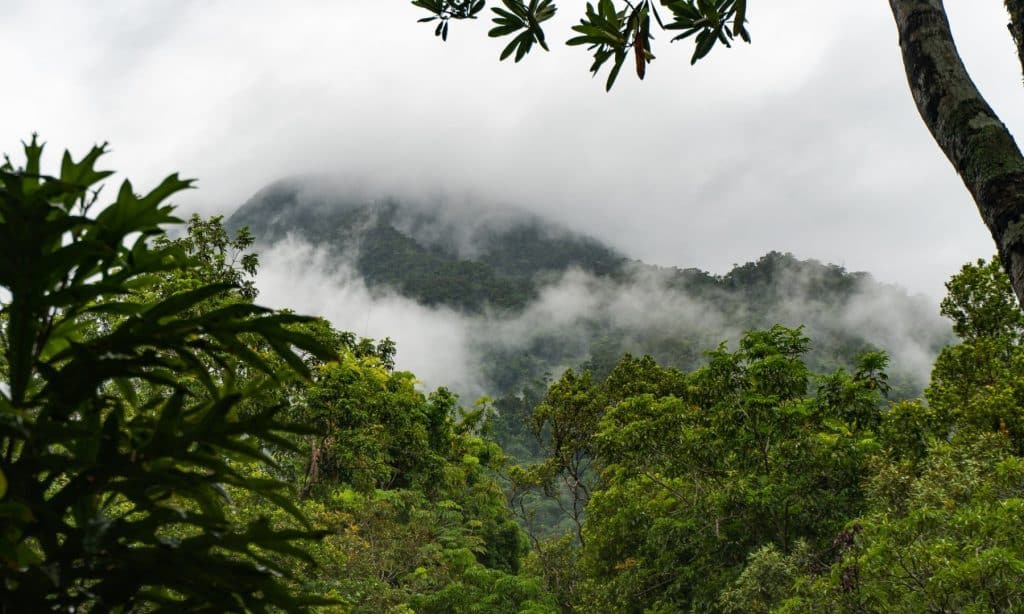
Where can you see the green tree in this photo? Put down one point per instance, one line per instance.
(700, 477)
(217, 257)
(121, 421)
(566, 422)
(940, 536)
(977, 384)
(965, 127)
(405, 485)
(944, 494)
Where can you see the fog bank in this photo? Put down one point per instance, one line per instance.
(463, 351)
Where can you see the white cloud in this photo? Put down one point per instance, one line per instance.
(806, 141)
(445, 347)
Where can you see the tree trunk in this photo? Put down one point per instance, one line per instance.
(313, 468)
(1016, 26)
(980, 147)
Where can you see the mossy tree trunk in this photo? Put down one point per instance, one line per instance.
(978, 144)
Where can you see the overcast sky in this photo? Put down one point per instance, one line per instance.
(806, 141)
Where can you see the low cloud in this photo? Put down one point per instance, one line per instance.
(433, 343)
(445, 347)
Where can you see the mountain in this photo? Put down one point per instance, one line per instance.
(486, 259)
(534, 297)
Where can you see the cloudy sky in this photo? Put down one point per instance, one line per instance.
(806, 141)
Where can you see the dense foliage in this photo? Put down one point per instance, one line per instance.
(751, 485)
(406, 482)
(121, 414)
(168, 444)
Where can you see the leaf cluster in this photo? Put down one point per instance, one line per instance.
(611, 29)
(612, 33)
(518, 16)
(121, 422)
(446, 10)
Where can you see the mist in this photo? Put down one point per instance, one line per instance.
(445, 347)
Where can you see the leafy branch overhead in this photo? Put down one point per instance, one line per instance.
(611, 30)
(445, 10)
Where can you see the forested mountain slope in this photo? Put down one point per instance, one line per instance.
(428, 252)
(537, 297)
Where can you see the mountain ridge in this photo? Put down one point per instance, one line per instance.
(499, 267)
(412, 250)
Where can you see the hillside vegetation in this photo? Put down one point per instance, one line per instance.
(540, 297)
(167, 444)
